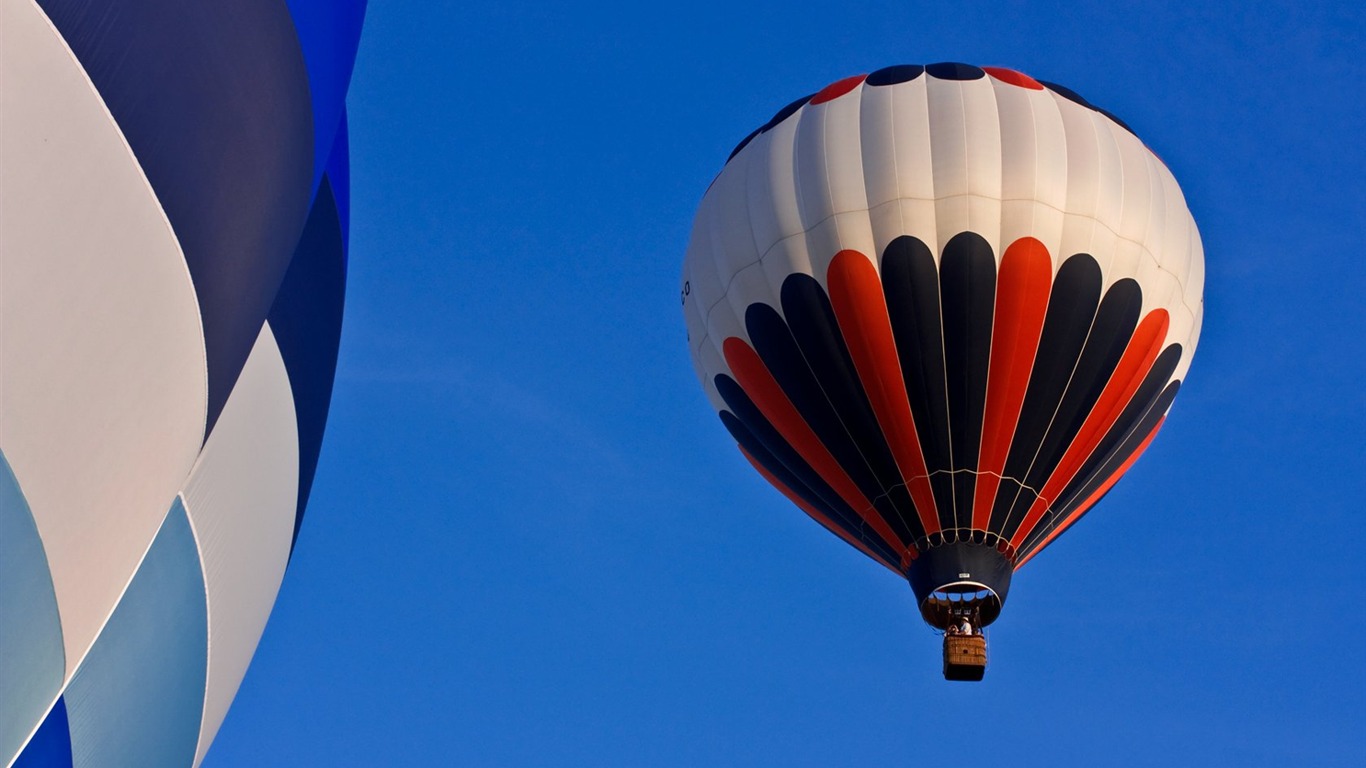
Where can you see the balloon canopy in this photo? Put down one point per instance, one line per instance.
(943, 309)
(172, 272)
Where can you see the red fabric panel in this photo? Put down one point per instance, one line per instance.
(1014, 78)
(1022, 289)
(861, 311)
(815, 515)
(1093, 498)
(837, 89)
(1133, 366)
(754, 377)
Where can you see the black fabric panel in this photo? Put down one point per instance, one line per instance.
(948, 70)
(778, 349)
(841, 516)
(1073, 96)
(967, 289)
(1156, 410)
(306, 321)
(213, 99)
(1110, 334)
(955, 563)
(743, 143)
(752, 419)
(1066, 93)
(910, 283)
(786, 112)
(901, 73)
(1133, 413)
(1071, 308)
(782, 115)
(813, 324)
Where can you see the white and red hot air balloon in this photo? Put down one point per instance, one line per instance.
(943, 309)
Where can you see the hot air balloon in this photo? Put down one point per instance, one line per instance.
(174, 198)
(943, 309)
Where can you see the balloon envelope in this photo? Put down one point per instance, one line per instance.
(172, 268)
(943, 309)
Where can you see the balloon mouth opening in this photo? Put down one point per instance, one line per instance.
(958, 581)
(949, 604)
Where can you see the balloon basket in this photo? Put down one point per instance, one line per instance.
(965, 657)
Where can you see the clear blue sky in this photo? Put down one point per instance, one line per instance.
(531, 543)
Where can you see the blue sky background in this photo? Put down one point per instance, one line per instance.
(530, 542)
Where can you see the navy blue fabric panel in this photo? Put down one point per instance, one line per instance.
(776, 346)
(1066, 93)
(967, 287)
(744, 143)
(945, 565)
(949, 70)
(329, 33)
(1156, 410)
(743, 409)
(781, 115)
(841, 517)
(1071, 308)
(306, 320)
(813, 324)
(901, 73)
(213, 99)
(910, 284)
(786, 112)
(1091, 474)
(1111, 331)
(1073, 96)
(50, 746)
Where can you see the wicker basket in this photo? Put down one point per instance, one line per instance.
(965, 657)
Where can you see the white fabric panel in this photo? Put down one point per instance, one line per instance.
(1153, 233)
(728, 318)
(1039, 213)
(724, 319)
(1175, 241)
(1135, 186)
(982, 142)
(851, 230)
(1109, 183)
(241, 499)
(732, 236)
(1195, 276)
(102, 368)
(903, 217)
(785, 257)
(1126, 256)
(830, 159)
(912, 155)
(948, 138)
(846, 222)
(877, 143)
(772, 187)
(948, 162)
(701, 282)
(1083, 157)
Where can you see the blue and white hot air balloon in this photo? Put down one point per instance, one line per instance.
(173, 218)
